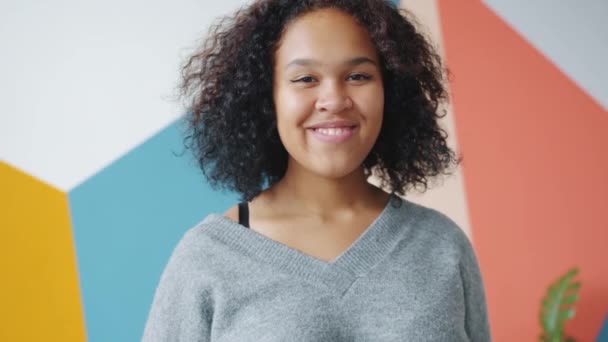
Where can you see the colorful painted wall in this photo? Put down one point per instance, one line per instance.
(529, 107)
(96, 188)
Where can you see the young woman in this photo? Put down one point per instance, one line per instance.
(294, 105)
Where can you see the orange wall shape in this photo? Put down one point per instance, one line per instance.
(39, 292)
(536, 172)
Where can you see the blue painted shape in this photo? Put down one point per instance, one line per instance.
(395, 2)
(126, 221)
(603, 336)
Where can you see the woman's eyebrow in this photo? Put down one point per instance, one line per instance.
(311, 62)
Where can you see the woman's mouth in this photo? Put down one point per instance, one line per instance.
(333, 134)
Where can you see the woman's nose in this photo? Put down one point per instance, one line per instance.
(332, 98)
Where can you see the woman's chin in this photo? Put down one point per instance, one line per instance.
(335, 171)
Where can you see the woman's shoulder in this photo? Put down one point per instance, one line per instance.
(430, 223)
(196, 240)
(232, 213)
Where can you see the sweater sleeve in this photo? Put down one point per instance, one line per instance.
(180, 309)
(476, 318)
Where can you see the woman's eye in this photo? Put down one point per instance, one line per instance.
(359, 77)
(352, 77)
(305, 79)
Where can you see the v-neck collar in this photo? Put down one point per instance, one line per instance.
(376, 241)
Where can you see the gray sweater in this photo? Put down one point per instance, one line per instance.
(411, 276)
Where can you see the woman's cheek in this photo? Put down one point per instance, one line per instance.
(297, 107)
(374, 104)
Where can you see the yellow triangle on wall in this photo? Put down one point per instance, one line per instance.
(39, 291)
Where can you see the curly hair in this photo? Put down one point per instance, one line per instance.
(231, 117)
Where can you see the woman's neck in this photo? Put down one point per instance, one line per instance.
(301, 192)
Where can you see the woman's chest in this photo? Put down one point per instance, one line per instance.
(420, 303)
(387, 304)
(324, 241)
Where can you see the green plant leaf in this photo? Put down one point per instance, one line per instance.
(574, 286)
(557, 306)
(570, 299)
(566, 314)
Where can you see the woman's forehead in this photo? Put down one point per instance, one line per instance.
(327, 36)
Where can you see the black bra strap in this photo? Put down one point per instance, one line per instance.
(244, 214)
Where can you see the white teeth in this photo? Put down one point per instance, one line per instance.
(332, 131)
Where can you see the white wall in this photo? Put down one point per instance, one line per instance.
(83, 82)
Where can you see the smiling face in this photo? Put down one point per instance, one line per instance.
(327, 72)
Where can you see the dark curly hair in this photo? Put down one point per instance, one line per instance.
(231, 117)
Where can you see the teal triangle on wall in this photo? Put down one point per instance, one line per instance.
(126, 221)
